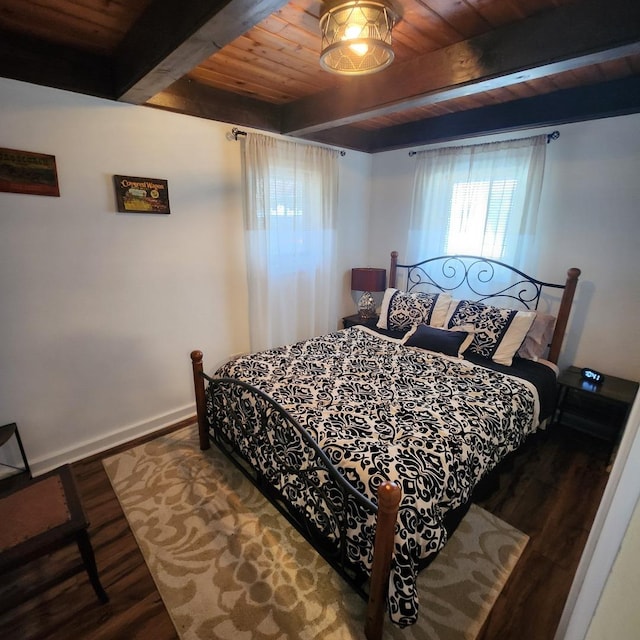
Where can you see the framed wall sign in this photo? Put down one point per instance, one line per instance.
(28, 172)
(141, 195)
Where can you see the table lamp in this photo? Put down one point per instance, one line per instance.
(367, 280)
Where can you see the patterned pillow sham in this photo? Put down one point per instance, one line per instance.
(499, 332)
(450, 342)
(401, 311)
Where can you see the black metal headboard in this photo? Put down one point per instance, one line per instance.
(487, 279)
(484, 278)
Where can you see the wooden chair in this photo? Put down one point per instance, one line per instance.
(39, 517)
(10, 474)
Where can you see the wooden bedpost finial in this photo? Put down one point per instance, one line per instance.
(392, 269)
(196, 357)
(389, 495)
(563, 313)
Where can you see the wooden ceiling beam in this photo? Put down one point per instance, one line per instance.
(568, 37)
(172, 37)
(578, 104)
(344, 137)
(195, 99)
(53, 65)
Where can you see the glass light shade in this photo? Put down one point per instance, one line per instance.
(356, 37)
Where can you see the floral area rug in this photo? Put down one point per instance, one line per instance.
(229, 567)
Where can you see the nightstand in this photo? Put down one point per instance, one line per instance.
(350, 321)
(600, 410)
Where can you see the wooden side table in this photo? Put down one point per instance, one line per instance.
(598, 409)
(351, 321)
(11, 442)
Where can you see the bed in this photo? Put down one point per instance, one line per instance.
(373, 442)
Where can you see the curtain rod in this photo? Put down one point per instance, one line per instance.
(554, 135)
(235, 132)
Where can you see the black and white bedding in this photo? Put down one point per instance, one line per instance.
(381, 410)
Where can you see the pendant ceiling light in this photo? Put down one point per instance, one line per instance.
(356, 37)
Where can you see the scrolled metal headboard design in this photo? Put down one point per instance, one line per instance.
(451, 273)
(485, 278)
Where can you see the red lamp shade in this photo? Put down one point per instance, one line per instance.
(368, 279)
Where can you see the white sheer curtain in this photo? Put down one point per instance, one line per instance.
(291, 192)
(479, 200)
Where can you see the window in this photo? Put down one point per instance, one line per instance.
(477, 200)
(289, 214)
(478, 217)
(291, 241)
(284, 196)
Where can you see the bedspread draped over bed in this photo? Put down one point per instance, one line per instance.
(384, 411)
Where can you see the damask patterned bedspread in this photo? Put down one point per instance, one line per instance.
(381, 410)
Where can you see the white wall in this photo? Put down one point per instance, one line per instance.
(353, 236)
(589, 218)
(99, 310)
(617, 615)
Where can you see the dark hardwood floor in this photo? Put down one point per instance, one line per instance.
(551, 492)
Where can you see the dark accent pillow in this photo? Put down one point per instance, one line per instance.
(445, 341)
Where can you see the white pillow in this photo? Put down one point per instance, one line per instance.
(538, 337)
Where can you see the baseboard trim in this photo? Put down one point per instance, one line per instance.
(115, 439)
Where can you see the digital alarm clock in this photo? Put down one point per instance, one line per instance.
(591, 375)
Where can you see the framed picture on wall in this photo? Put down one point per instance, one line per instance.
(28, 172)
(141, 195)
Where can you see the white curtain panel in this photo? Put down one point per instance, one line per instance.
(291, 194)
(478, 200)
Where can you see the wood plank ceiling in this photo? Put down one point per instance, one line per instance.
(461, 68)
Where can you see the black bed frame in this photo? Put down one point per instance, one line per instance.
(489, 280)
(264, 423)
